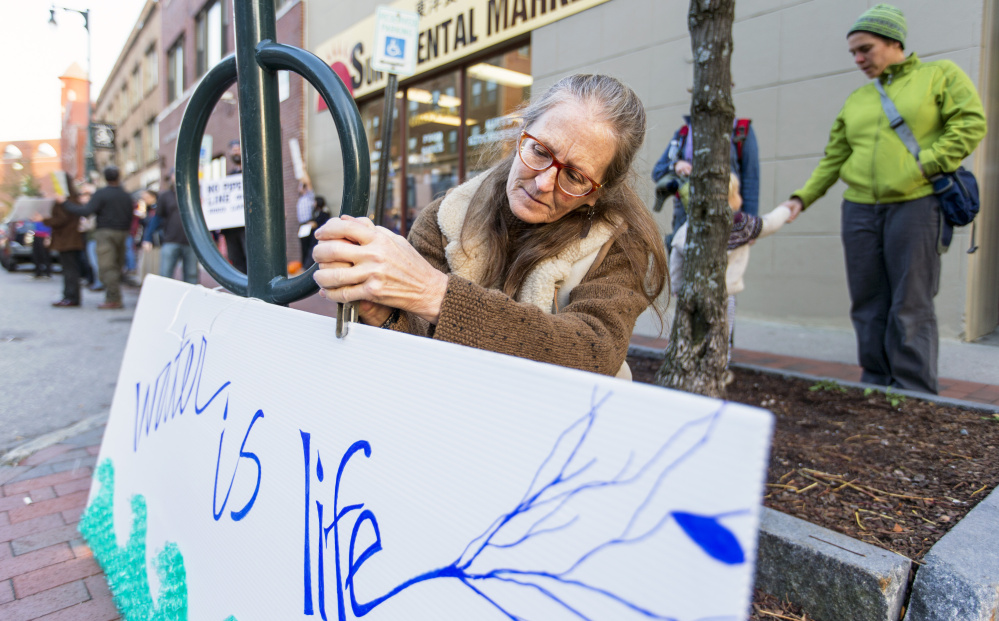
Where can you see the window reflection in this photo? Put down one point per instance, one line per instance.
(371, 115)
(432, 164)
(498, 85)
(440, 150)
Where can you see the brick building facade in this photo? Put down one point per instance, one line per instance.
(195, 36)
(74, 99)
(20, 158)
(130, 100)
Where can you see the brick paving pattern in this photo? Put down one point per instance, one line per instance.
(47, 572)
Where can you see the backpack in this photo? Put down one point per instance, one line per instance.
(738, 136)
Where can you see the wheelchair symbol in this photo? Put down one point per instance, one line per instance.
(394, 47)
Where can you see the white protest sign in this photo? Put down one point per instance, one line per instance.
(222, 202)
(27, 206)
(296, 158)
(254, 466)
(395, 41)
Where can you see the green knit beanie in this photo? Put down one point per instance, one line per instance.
(882, 19)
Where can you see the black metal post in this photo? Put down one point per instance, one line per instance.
(266, 282)
(385, 157)
(260, 135)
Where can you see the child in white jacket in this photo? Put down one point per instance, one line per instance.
(745, 230)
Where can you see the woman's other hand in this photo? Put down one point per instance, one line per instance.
(361, 262)
(683, 168)
(795, 205)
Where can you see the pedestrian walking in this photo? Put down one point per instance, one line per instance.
(114, 210)
(306, 225)
(175, 247)
(68, 241)
(40, 252)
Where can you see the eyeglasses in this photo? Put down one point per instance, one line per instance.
(538, 157)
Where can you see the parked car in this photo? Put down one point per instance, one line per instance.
(16, 237)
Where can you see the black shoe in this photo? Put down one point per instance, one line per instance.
(65, 303)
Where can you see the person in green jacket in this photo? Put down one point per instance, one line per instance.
(891, 219)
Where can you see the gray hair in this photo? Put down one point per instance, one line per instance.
(614, 104)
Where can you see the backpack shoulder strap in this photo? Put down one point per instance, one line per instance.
(740, 133)
(897, 122)
(684, 134)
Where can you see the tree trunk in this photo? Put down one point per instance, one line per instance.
(697, 356)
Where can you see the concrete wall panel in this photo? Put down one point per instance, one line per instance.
(807, 110)
(813, 38)
(756, 55)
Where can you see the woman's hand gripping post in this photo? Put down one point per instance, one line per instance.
(361, 262)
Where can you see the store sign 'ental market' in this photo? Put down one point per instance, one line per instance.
(448, 30)
(255, 466)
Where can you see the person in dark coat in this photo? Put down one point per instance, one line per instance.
(114, 209)
(235, 239)
(68, 241)
(175, 246)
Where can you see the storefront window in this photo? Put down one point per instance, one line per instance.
(432, 162)
(440, 151)
(498, 85)
(371, 115)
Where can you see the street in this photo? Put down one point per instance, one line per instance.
(58, 366)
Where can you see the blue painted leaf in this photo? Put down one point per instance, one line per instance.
(717, 541)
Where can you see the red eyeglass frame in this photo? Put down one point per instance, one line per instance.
(557, 164)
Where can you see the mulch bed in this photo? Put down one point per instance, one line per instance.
(892, 471)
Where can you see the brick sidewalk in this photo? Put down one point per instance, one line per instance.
(47, 572)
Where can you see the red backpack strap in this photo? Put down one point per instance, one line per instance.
(739, 136)
(684, 132)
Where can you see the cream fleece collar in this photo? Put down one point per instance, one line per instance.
(539, 285)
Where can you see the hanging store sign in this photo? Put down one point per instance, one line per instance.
(102, 135)
(448, 30)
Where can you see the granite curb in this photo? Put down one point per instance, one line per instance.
(832, 576)
(959, 577)
(27, 449)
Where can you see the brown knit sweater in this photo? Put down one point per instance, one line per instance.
(590, 333)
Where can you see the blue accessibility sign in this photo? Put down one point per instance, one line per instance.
(395, 47)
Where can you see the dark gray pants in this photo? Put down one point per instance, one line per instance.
(893, 272)
(71, 261)
(111, 260)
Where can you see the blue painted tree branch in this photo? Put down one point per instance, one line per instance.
(550, 495)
